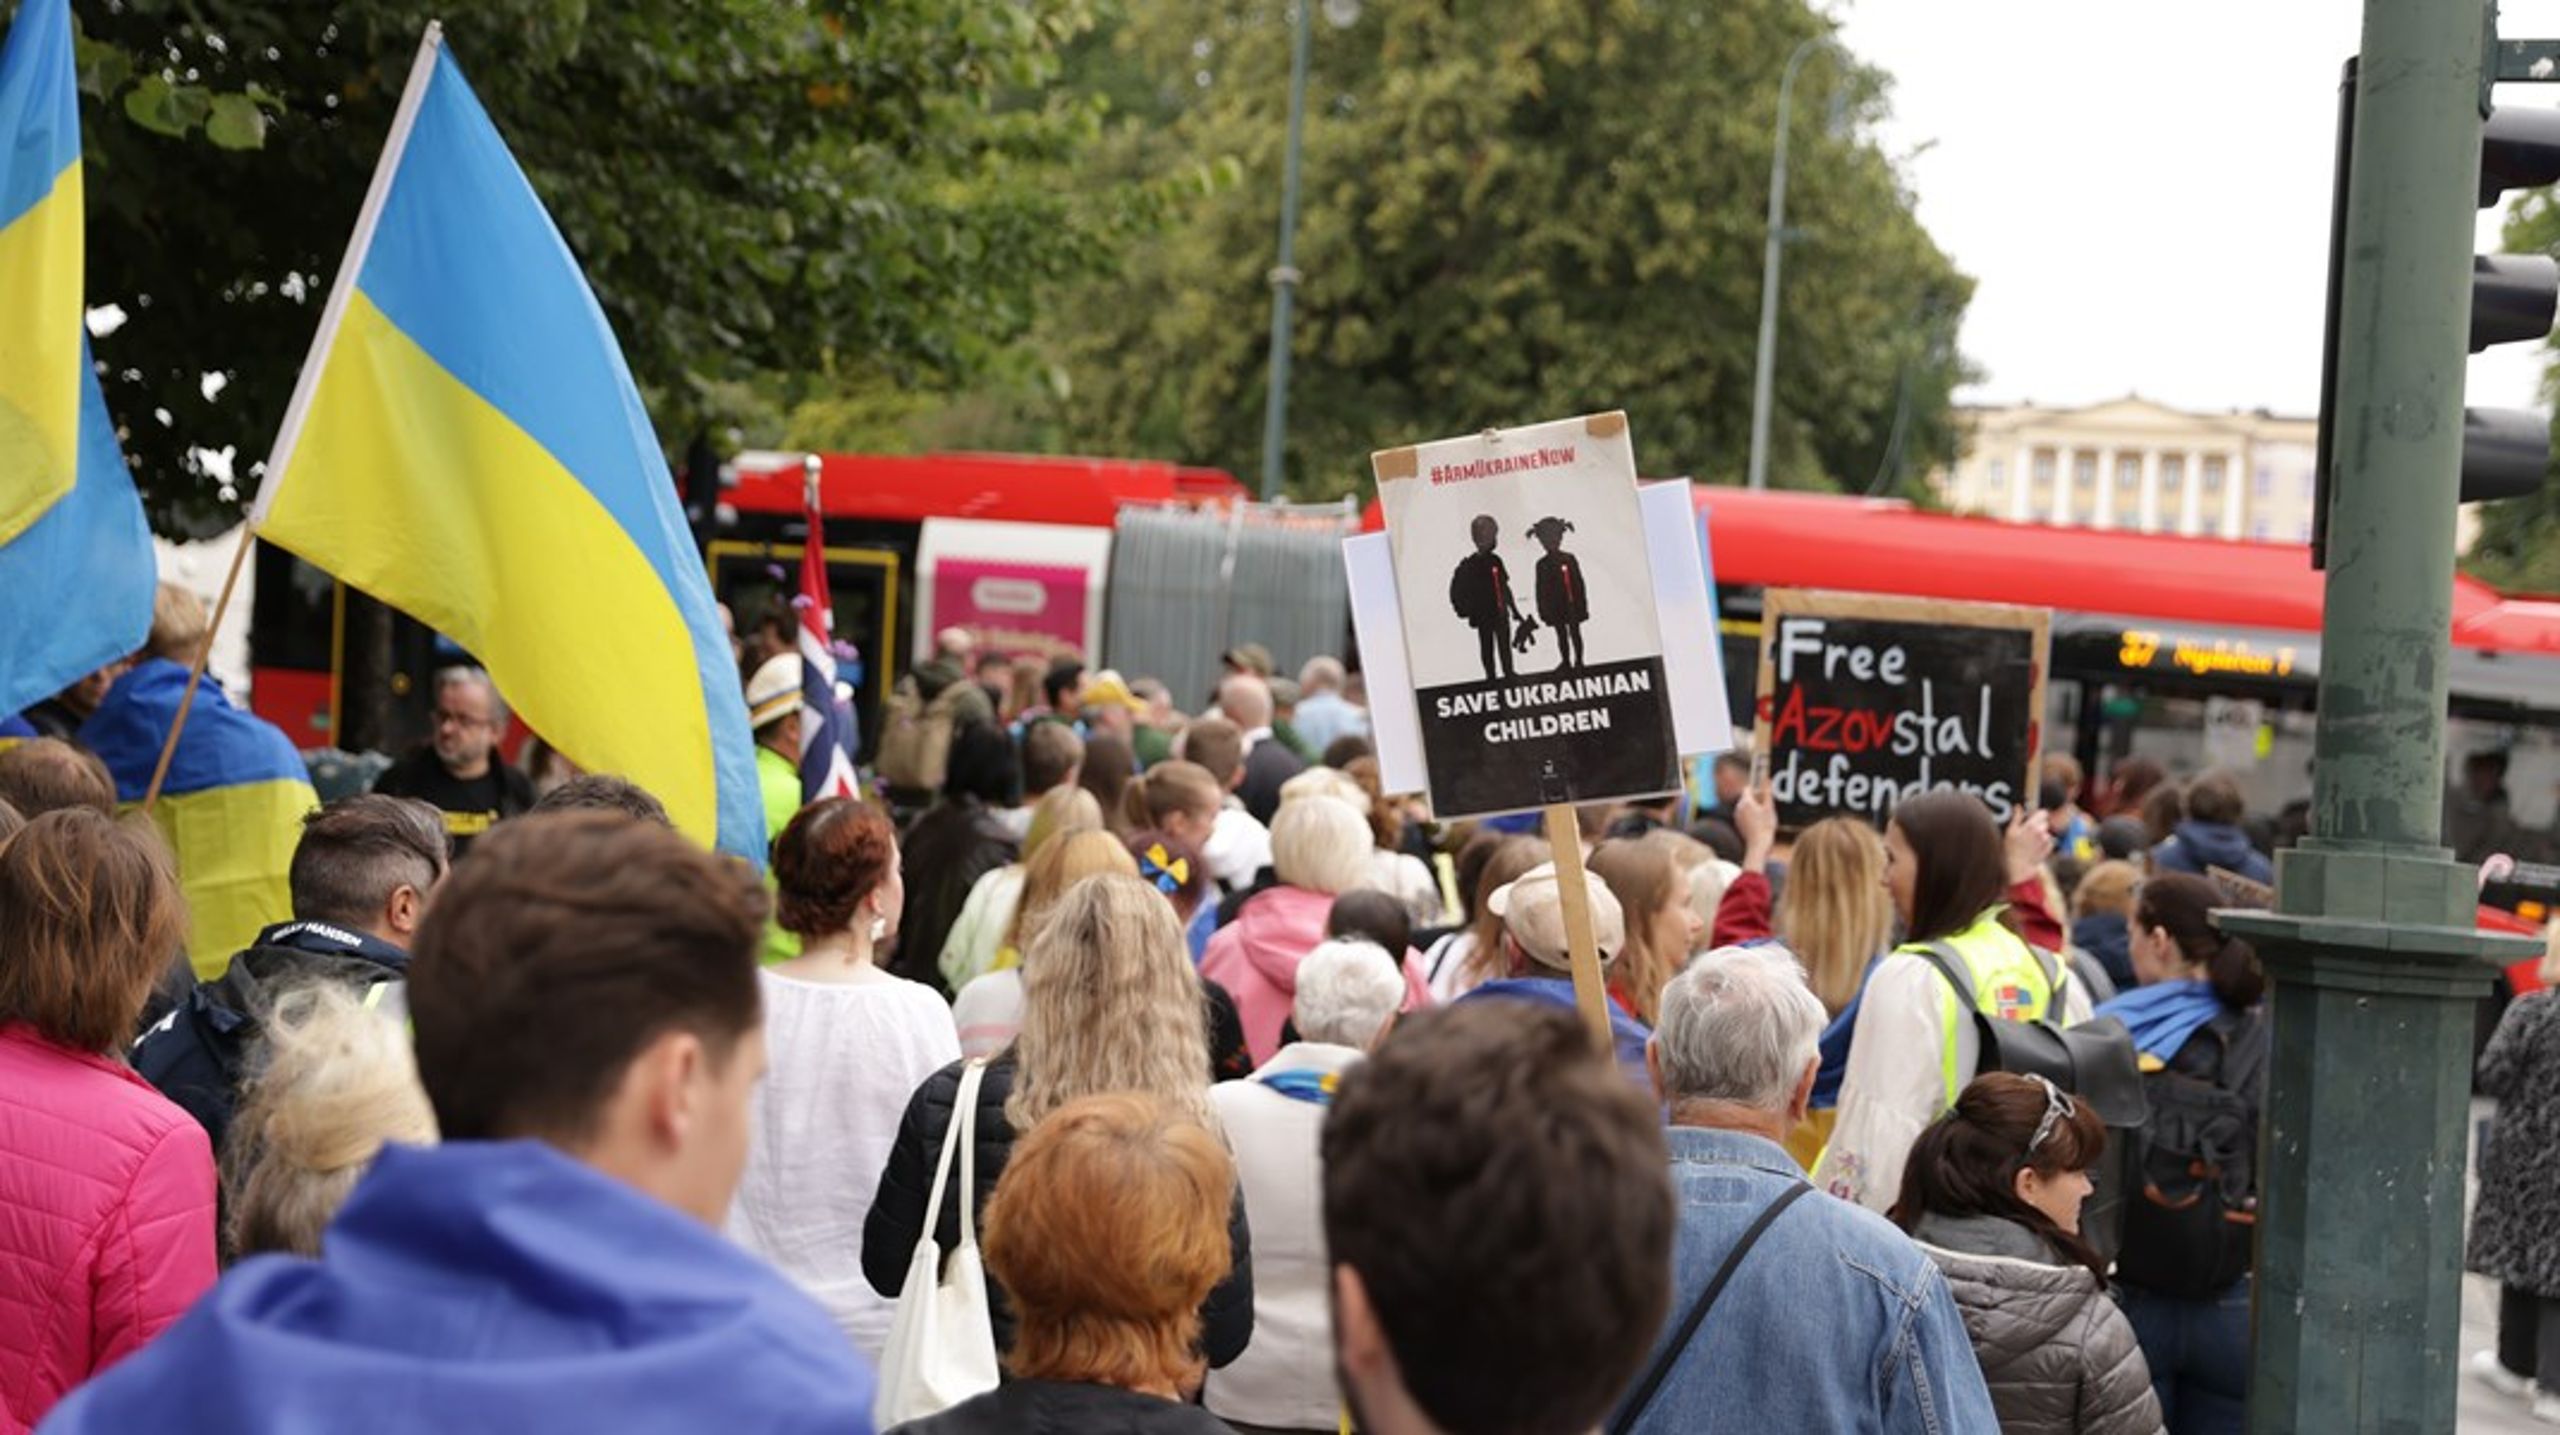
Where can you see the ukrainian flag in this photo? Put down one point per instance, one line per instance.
(71, 526)
(232, 806)
(40, 266)
(467, 445)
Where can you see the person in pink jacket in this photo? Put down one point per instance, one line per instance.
(1319, 850)
(108, 1186)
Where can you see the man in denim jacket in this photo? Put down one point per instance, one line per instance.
(1834, 1320)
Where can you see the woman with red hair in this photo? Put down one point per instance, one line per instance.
(845, 1042)
(1107, 1232)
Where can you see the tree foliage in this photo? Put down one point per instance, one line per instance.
(1513, 210)
(754, 186)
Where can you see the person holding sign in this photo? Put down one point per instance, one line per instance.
(1912, 1048)
(1538, 964)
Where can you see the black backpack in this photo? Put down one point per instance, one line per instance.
(2193, 1229)
(2095, 1062)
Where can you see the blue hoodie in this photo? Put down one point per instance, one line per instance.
(2196, 846)
(1627, 1034)
(492, 1286)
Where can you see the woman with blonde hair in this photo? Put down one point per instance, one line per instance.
(1835, 914)
(1393, 870)
(985, 926)
(1106, 1233)
(989, 1009)
(1319, 850)
(1110, 1004)
(1660, 926)
(339, 1083)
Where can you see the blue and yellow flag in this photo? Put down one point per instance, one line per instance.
(40, 265)
(466, 444)
(232, 806)
(72, 535)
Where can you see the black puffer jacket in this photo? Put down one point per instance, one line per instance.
(954, 844)
(1053, 1407)
(896, 1222)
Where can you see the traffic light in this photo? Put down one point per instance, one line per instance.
(2506, 453)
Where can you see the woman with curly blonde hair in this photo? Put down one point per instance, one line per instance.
(1110, 1004)
(989, 1009)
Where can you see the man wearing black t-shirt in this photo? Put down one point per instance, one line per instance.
(459, 772)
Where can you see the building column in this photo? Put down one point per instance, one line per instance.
(2151, 490)
(2188, 491)
(2236, 493)
(2107, 458)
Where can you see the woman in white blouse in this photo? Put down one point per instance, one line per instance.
(846, 1042)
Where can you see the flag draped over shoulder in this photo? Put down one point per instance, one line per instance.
(232, 806)
(72, 534)
(827, 735)
(466, 444)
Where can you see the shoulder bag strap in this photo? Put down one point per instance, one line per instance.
(1654, 1377)
(966, 1127)
(1950, 963)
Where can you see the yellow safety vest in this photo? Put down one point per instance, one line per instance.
(2009, 982)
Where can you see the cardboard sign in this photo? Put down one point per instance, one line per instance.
(1866, 700)
(1531, 636)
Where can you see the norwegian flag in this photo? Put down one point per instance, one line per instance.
(827, 732)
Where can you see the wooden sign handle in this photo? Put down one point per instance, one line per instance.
(1590, 993)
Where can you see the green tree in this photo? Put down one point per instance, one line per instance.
(2519, 543)
(755, 187)
(1513, 210)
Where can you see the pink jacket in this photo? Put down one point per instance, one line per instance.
(108, 1190)
(1256, 958)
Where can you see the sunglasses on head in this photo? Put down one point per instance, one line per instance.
(2058, 1108)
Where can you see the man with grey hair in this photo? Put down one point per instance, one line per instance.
(459, 771)
(1346, 1001)
(1843, 1323)
(1324, 714)
(1245, 700)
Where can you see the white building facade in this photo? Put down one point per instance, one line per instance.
(2137, 465)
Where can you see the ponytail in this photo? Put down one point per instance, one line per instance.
(2183, 907)
(2237, 978)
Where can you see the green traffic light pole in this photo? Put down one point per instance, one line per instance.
(2376, 962)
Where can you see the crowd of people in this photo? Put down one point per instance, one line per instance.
(1164, 1055)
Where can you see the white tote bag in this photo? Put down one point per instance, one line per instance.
(942, 1341)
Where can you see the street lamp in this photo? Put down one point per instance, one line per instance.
(1341, 14)
(1764, 372)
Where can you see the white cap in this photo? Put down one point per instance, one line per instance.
(1532, 911)
(774, 692)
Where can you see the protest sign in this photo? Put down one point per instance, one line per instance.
(1867, 700)
(1528, 608)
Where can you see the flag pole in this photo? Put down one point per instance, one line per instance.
(195, 672)
(343, 286)
(403, 120)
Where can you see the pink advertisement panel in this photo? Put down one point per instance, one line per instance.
(1014, 607)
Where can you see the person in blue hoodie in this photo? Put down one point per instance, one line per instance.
(1541, 967)
(2210, 836)
(588, 1026)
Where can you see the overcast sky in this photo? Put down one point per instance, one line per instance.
(2141, 193)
